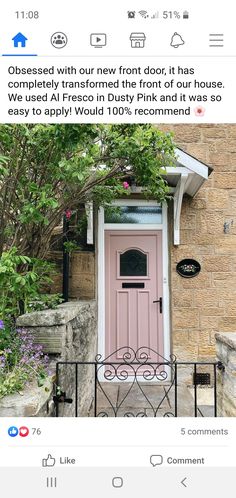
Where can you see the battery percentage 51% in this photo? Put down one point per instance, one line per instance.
(171, 14)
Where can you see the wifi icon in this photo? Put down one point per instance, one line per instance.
(144, 14)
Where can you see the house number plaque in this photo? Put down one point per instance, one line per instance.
(188, 268)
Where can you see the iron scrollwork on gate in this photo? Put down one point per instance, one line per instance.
(145, 382)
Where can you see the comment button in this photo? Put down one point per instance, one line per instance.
(156, 460)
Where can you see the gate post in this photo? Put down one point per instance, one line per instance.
(176, 390)
(95, 388)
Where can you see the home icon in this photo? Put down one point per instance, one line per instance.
(19, 39)
(137, 40)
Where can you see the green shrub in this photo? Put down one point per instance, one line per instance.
(22, 280)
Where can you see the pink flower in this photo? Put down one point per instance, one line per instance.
(68, 214)
(126, 185)
(199, 111)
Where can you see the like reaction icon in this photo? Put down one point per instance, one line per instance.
(49, 461)
(13, 431)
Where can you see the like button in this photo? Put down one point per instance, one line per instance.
(13, 431)
(49, 461)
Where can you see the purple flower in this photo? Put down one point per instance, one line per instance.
(2, 361)
(26, 355)
(1, 324)
(8, 351)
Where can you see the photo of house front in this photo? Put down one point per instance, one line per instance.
(149, 326)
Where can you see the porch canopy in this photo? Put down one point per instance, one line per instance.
(186, 177)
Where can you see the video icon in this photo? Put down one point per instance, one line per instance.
(98, 40)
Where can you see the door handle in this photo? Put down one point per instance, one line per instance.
(159, 301)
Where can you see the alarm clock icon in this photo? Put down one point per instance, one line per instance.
(131, 14)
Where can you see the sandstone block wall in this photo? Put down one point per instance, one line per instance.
(226, 392)
(206, 304)
(82, 274)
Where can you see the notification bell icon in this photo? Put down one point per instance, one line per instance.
(176, 40)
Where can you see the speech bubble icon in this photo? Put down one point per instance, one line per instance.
(156, 460)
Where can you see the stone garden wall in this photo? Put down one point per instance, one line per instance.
(34, 401)
(68, 333)
(226, 353)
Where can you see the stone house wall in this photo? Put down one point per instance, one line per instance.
(206, 304)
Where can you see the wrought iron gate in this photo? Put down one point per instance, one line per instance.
(136, 386)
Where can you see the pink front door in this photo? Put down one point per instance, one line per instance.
(133, 280)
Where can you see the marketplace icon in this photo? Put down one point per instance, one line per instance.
(137, 40)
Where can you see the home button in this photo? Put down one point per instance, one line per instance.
(117, 482)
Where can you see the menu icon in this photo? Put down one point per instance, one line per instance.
(216, 40)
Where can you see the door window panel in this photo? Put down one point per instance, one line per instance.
(133, 263)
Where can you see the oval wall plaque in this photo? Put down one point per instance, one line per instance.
(188, 268)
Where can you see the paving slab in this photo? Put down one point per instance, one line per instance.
(153, 400)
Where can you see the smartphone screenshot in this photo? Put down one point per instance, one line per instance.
(117, 248)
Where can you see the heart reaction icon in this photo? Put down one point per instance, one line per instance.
(23, 431)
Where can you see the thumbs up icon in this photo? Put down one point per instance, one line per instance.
(49, 461)
(13, 431)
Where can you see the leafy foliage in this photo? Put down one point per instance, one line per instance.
(70, 246)
(21, 281)
(48, 168)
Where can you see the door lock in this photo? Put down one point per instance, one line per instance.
(159, 301)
